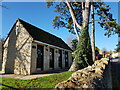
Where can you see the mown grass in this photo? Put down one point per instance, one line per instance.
(42, 82)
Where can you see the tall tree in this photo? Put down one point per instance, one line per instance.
(75, 17)
(83, 55)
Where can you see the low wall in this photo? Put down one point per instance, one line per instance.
(96, 76)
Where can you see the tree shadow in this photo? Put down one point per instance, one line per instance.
(7, 86)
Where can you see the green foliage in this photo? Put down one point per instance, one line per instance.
(74, 44)
(42, 82)
(106, 20)
(112, 27)
(83, 53)
(118, 47)
(49, 3)
(97, 49)
(64, 18)
(102, 10)
(117, 30)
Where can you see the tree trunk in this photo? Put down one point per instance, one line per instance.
(86, 14)
(73, 66)
(93, 33)
(83, 54)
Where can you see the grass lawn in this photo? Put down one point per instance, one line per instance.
(42, 82)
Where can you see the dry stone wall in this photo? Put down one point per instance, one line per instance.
(90, 77)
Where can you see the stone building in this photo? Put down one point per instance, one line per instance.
(28, 50)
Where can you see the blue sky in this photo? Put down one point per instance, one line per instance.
(39, 15)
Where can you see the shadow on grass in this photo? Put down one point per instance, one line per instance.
(7, 86)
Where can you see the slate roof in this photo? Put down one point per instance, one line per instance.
(43, 36)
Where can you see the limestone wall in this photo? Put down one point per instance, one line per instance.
(17, 51)
(23, 46)
(5, 52)
(46, 58)
(9, 53)
(96, 76)
(33, 58)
